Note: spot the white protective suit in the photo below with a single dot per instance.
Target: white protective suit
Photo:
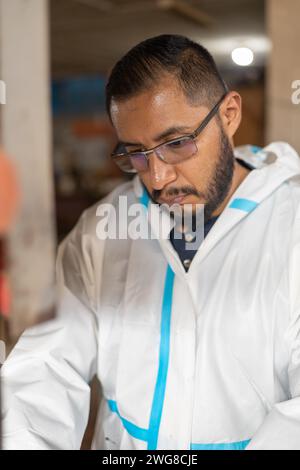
(204, 359)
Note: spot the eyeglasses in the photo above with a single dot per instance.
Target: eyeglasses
(172, 152)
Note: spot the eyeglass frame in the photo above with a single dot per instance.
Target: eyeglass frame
(191, 136)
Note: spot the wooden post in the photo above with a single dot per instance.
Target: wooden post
(25, 134)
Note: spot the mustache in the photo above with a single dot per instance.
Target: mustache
(184, 190)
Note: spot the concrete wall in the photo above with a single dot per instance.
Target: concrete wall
(283, 28)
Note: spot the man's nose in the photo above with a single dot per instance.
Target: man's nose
(161, 173)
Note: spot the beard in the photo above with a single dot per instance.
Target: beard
(219, 184)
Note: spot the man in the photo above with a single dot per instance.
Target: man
(194, 349)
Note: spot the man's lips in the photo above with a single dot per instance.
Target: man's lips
(174, 200)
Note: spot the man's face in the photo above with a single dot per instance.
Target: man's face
(163, 113)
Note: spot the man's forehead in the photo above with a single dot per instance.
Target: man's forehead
(158, 114)
(159, 97)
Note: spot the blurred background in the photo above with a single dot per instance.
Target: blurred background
(55, 138)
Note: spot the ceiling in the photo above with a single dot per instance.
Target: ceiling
(88, 36)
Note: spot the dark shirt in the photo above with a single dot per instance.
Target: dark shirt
(180, 244)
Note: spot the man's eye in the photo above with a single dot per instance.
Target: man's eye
(178, 143)
(133, 150)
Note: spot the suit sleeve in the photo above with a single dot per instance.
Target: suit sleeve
(46, 393)
(281, 428)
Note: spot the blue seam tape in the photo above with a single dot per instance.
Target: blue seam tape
(164, 352)
(246, 205)
(132, 429)
(143, 435)
(241, 445)
(255, 148)
(144, 199)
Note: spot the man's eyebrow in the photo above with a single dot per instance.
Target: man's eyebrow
(128, 144)
(171, 131)
(164, 135)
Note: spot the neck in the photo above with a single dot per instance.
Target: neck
(239, 174)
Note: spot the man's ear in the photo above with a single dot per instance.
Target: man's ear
(231, 113)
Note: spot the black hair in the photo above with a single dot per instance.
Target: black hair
(149, 61)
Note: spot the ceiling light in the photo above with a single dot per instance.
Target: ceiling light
(242, 56)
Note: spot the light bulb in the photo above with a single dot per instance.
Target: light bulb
(242, 56)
